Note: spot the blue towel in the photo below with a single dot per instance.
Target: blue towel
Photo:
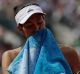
(40, 55)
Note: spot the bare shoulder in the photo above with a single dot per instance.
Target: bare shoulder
(8, 57)
(11, 54)
(67, 49)
(71, 55)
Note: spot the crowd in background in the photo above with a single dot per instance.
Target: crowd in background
(63, 18)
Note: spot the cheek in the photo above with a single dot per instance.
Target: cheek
(29, 31)
(42, 25)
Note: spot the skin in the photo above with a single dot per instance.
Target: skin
(8, 57)
(72, 57)
(33, 24)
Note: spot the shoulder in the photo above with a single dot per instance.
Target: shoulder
(11, 54)
(69, 52)
(68, 49)
(8, 57)
(71, 55)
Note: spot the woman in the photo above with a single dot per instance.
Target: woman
(40, 54)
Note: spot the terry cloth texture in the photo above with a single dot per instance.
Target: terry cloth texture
(40, 55)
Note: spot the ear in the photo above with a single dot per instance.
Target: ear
(20, 27)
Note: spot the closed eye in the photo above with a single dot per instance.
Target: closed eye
(28, 25)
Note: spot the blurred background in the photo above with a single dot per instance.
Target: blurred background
(63, 18)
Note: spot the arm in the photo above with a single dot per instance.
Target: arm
(72, 57)
(5, 62)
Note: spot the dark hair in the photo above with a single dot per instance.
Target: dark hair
(19, 7)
